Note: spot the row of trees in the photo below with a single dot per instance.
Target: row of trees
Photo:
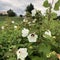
(11, 13)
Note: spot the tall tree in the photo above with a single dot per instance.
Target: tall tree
(29, 8)
(11, 13)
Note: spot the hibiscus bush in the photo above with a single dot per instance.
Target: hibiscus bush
(30, 39)
(35, 37)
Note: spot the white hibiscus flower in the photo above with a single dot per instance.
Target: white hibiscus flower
(34, 21)
(47, 33)
(29, 22)
(22, 53)
(32, 37)
(12, 22)
(24, 20)
(15, 27)
(33, 12)
(54, 37)
(25, 32)
(2, 27)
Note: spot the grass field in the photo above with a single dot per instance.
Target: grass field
(5, 18)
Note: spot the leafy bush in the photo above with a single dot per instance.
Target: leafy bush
(33, 38)
(45, 48)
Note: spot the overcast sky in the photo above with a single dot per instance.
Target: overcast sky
(19, 6)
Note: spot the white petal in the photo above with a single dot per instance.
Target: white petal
(33, 12)
(15, 27)
(2, 27)
(12, 21)
(48, 32)
(32, 39)
(22, 53)
(25, 32)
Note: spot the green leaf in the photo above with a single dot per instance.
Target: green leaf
(35, 58)
(53, 15)
(44, 48)
(38, 58)
(12, 58)
(57, 4)
(46, 4)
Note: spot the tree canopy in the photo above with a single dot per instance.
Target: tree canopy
(29, 8)
(11, 13)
